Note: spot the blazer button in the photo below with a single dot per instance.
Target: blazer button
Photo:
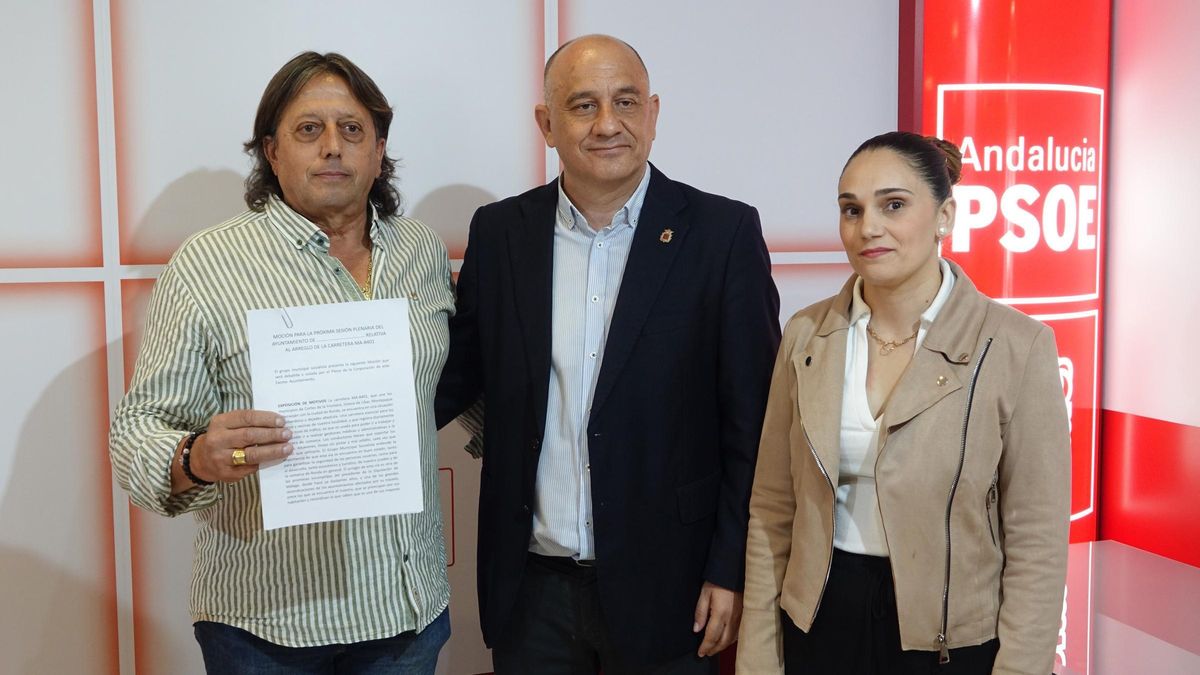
(525, 508)
(537, 443)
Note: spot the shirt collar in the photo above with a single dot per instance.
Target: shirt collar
(300, 231)
(859, 309)
(627, 216)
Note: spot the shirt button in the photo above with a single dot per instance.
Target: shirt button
(600, 245)
(593, 355)
(595, 298)
(405, 557)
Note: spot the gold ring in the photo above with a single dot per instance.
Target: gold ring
(239, 457)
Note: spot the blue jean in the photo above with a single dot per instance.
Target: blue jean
(233, 651)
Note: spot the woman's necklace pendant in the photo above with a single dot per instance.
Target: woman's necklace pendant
(888, 346)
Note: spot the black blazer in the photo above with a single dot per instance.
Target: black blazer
(676, 415)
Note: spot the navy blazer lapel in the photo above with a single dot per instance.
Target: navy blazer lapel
(650, 257)
(531, 256)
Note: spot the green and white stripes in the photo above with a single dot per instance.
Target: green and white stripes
(343, 581)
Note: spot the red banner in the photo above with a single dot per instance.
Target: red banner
(1021, 87)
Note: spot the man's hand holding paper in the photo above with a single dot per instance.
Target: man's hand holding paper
(261, 436)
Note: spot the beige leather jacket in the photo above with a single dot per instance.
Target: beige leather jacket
(973, 480)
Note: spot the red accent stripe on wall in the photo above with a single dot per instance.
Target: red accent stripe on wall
(1149, 482)
(910, 66)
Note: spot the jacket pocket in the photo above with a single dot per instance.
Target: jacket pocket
(698, 499)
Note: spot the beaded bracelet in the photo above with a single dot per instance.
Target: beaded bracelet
(186, 460)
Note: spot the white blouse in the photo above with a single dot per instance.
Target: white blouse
(858, 526)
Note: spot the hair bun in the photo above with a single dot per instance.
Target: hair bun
(953, 157)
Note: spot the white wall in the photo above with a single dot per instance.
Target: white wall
(1154, 168)
(124, 121)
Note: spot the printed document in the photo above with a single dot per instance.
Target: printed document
(341, 375)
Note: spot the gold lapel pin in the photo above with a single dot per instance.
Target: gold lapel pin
(666, 235)
(941, 380)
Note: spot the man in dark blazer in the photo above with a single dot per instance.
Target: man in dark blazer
(620, 329)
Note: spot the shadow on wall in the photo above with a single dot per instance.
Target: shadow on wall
(447, 211)
(196, 200)
(58, 610)
(57, 605)
(35, 597)
(55, 591)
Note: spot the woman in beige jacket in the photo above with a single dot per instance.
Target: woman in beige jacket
(911, 503)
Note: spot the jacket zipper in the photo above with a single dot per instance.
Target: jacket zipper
(833, 523)
(944, 651)
(991, 500)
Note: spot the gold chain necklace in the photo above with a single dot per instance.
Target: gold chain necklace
(888, 346)
(366, 288)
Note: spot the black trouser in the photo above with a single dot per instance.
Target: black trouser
(558, 629)
(857, 631)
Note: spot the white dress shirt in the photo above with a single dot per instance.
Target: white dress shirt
(588, 266)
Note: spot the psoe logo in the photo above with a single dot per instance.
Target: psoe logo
(1062, 218)
(1029, 223)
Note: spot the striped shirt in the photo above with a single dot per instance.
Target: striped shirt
(336, 582)
(588, 267)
